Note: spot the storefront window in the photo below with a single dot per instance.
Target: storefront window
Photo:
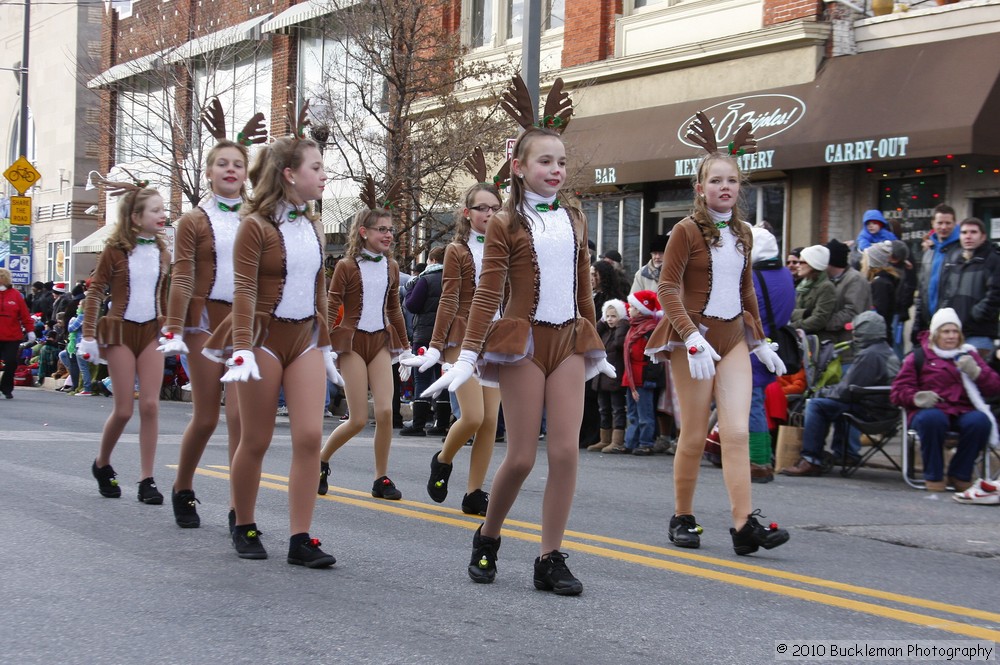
(616, 223)
(58, 260)
(481, 18)
(765, 202)
(909, 202)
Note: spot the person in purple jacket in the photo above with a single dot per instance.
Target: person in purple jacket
(775, 299)
(942, 385)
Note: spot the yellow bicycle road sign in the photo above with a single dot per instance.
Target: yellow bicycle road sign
(22, 175)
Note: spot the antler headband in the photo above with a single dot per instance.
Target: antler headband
(116, 189)
(476, 164)
(214, 120)
(700, 131)
(370, 198)
(516, 101)
(299, 123)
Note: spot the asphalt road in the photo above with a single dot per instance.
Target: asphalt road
(91, 580)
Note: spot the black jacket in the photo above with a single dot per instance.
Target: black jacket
(614, 346)
(972, 289)
(422, 298)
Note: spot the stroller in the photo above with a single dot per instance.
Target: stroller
(821, 360)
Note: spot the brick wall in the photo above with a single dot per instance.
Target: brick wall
(589, 32)
(781, 11)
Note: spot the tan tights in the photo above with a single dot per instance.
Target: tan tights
(525, 390)
(304, 382)
(206, 397)
(731, 388)
(123, 368)
(358, 377)
(479, 408)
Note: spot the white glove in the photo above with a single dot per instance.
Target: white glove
(89, 351)
(701, 357)
(242, 367)
(405, 369)
(172, 344)
(455, 375)
(31, 337)
(424, 362)
(925, 399)
(767, 355)
(607, 369)
(331, 368)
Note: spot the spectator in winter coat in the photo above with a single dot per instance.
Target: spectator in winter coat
(970, 284)
(648, 277)
(776, 301)
(613, 327)
(875, 365)
(853, 296)
(944, 238)
(423, 294)
(640, 389)
(815, 295)
(15, 324)
(874, 229)
(942, 385)
(884, 281)
(900, 260)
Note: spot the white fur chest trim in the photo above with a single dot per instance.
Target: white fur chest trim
(303, 261)
(555, 251)
(223, 225)
(143, 274)
(725, 298)
(374, 285)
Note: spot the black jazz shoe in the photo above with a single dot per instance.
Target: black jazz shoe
(685, 531)
(383, 488)
(246, 542)
(324, 475)
(437, 484)
(551, 574)
(107, 481)
(476, 503)
(755, 535)
(148, 493)
(185, 511)
(483, 566)
(309, 554)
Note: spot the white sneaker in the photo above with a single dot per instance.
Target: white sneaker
(282, 411)
(186, 387)
(982, 492)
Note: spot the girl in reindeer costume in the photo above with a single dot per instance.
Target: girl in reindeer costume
(278, 335)
(134, 266)
(479, 404)
(371, 336)
(201, 296)
(544, 348)
(710, 317)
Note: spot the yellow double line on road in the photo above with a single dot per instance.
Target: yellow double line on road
(675, 562)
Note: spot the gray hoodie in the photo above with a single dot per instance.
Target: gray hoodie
(875, 363)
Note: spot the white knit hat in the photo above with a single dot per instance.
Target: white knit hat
(817, 256)
(618, 306)
(765, 246)
(944, 316)
(879, 254)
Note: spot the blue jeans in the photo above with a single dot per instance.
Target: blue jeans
(84, 373)
(641, 430)
(821, 412)
(973, 434)
(758, 418)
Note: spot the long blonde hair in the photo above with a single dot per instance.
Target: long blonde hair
(268, 179)
(125, 234)
(701, 216)
(367, 218)
(463, 225)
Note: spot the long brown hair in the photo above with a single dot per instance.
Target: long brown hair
(512, 206)
(268, 180)
(463, 225)
(367, 217)
(219, 147)
(125, 234)
(702, 217)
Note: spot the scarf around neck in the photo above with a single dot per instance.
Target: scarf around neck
(971, 389)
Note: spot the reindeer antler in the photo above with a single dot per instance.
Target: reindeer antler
(502, 178)
(300, 123)
(392, 196)
(368, 195)
(516, 101)
(743, 142)
(476, 164)
(116, 189)
(214, 119)
(558, 108)
(700, 131)
(254, 131)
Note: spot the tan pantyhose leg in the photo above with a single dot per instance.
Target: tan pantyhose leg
(479, 407)
(123, 368)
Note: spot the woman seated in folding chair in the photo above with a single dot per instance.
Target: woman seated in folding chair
(942, 385)
(874, 364)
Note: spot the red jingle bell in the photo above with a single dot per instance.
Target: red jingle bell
(168, 335)
(238, 360)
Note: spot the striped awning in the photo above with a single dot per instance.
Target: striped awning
(94, 243)
(126, 69)
(338, 213)
(299, 14)
(234, 34)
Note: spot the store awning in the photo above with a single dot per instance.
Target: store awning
(126, 69)
(94, 243)
(895, 104)
(338, 214)
(234, 34)
(299, 13)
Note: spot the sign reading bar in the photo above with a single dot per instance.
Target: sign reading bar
(22, 175)
(20, 210)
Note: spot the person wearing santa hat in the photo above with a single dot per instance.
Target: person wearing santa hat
(640, 376)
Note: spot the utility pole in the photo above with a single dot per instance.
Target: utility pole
(26, 40)
(531, 46)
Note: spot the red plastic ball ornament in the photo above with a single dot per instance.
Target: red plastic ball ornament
(168, 335)
(238, 360)
(773, 526)
(692, 350)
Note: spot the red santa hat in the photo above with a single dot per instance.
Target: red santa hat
(59, 287)
(645, 303)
